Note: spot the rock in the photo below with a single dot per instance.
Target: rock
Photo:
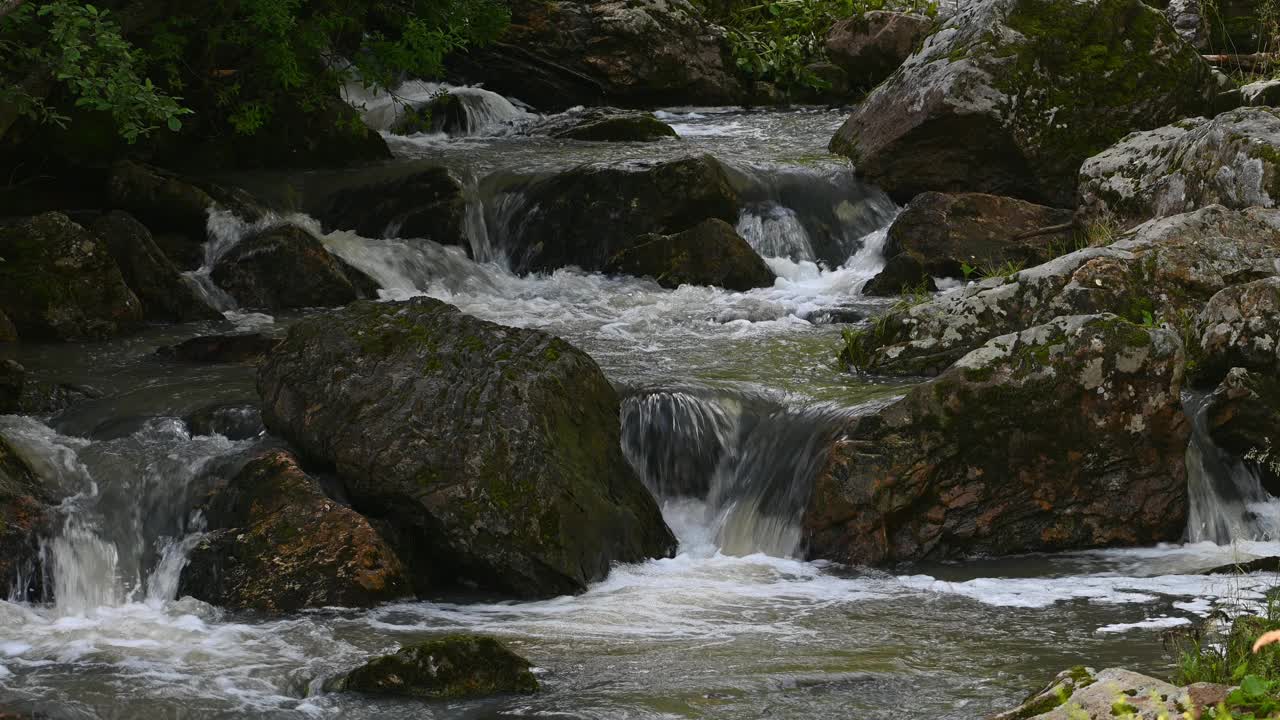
(632, 127)
(58, 282)
(1116, 692)
(940, 233)
(489, 455)
(1064, 436)
(1240, 327)
(278, 544)
(1263, 92)
(234, 422)
(1034, 87)
(1187, 18)
(254, 272)
(645, 53)
(237, 348)
(710, 253)
(1243, 419)
(428, 204)
(585, 215)
(25, 516)
(452, 667)
(1165, 269)
(164, 293)
(1232, 160)
(174, 207)
(21, 395)
(1262, 564)
(1053, 695)
(835, 84)
(446, 114)
(8, 332)
(870, 46)
(902, 274)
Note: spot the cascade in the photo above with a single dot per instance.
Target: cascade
(1227, 501)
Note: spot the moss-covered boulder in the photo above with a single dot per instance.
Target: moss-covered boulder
(940, 234)
(287, 267)
(709, 253)
(25, 516)
(1243, 419)
(627, 127)
(585, 215)
(1052, 696)
(1116, 692)
(234, 348)
(491, 455)
(164, 292)
(277, 543)
(59, 282)
(453, 667)
(1164, 271)
(870, 46)
(1240, 327)
(1010, 96)
(427, 204)
(1066, 435)
(1232, 160)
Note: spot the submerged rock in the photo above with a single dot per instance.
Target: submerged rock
(1067, 435)
(585, 215)
(277, 544)
(58, 282)
(1232, 160)
(871, 45)
(428, 204)
(710, 253)
(237, 348)
(490, 455)
(25, 514)
(286, 267)
(1010, 96)
(1166, 269)
(629, 127)
(939, 234)
(452, 667)
(164, 293)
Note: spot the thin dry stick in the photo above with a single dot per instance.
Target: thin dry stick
(1253, 61)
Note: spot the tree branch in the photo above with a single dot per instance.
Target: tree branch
(1254, 61)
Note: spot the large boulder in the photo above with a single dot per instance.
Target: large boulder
(1242, 417)
(286, 267)
(427, 204)
(1163, 271)
(25, 516)
(641, 53)
(1033, 87)
(626, 127)
(164, 293)
(58, 282)
(1115, 692)
(709, 253)
(489, 454)
(277, 543)
(1232, 160)
(453, 667)
(585, 215)
(870, 46)
(234, 348)
(1240, 327)
(1067, 435)
(939, 234)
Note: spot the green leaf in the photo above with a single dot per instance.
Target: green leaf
(175, 124)
(1253, 686)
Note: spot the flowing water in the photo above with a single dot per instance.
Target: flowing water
(729, 400)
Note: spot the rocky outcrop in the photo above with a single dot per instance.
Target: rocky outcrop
(164, 293)
(286, 267)
(452, 667)
(489, 455)
(871, 45)
(1232, 160)
(1240, 327)
(427, 204)
(645, 53)
(277, 544)
(940, 235)
(1165, 270)
(237, 348)
(1243, 419)
(710, 253)
(628, 127)
(1066, 435)
(1115, 692)
(1034, 87)
(58, 282)
(25, 514)
(586, 215)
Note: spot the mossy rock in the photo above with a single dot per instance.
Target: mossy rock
(254, 272)
(638, 127)
(709, 253)
(454, 667)
(165, 294)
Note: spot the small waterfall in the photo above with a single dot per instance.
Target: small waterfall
(1227, 500)
(774, 231)
(481, 112)
(751, 460)
(223, 231)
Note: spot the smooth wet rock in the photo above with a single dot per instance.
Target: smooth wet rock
(164, 293)
(173, 205)
(427, 204)
(940, 233)
(643, 53)
(1067, 435)
(710, 253)
(1010, 96)
(234, 422)
(452, 667)
(630, 127)
(26, 515)
(1232, 160)
(1243, 419)
(1163, 271)
(284, 267)
(278, 544)
(236, 348)
(489, 455)
(1240, 327)
(585, 215)
(59, 282)
(871, 45)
